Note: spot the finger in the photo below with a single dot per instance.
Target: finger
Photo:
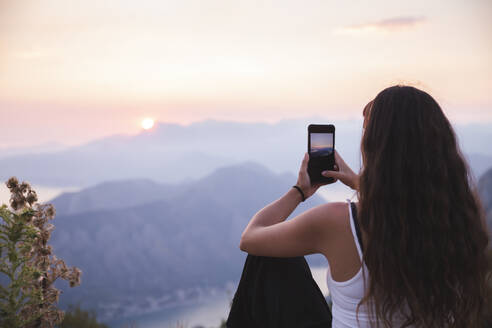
(332, 174)
(338, 158)
(304, 163)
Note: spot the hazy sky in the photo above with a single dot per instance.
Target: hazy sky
(71, 71)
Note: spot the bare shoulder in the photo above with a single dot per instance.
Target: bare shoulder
(333, 210)
(331, 217)
(332, 222)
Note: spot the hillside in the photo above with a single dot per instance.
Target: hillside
(114, 195)
(485, 189)
(164, 250)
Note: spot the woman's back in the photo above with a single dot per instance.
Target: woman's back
(347, 294)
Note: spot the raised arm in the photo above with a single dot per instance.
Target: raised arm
(268, 234)
(307, 233)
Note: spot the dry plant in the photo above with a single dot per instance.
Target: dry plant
(28, 297)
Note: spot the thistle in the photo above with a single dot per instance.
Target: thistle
(28, 267)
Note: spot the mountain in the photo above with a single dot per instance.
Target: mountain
(113, 195)
(172, 152)
(135, 250)
(479, 163)
(485, 190)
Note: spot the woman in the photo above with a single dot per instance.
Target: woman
(419, 260)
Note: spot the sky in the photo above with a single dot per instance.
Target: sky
(321, 140)
(73, 71)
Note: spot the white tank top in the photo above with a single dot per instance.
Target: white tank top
(346, 295)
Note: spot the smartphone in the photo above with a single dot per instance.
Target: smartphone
(321, 150)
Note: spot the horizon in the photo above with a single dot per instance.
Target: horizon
(53, 143)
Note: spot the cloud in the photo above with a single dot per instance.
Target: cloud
(392, 24)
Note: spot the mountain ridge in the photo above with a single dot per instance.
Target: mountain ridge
(172, 152)
(188, 240)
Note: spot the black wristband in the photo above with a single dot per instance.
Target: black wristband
(302, 194)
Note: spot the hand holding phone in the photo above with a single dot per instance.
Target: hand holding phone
(321, 150)
(343, 173)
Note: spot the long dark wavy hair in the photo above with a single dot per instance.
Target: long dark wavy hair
(424, 224)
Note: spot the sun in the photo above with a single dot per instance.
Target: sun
(147, 123)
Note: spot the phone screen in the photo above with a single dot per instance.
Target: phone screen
(321, 144)
(321, 148)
